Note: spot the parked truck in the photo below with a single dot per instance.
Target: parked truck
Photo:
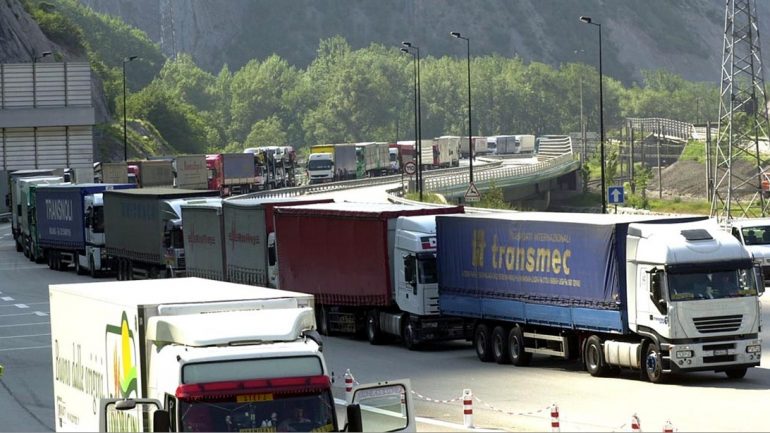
(276, 166)
(372, 159)
(479, 146)
(250, 244)
(190, 172)
(446, 151)
(231, 173)
(644, 293)
(332, 162)
(754, 234)
(143, 230)
(371, 268)
(27, 225)
(70, 225)
(204, 243)
(198, 355)
(110, 172)
(152, 173)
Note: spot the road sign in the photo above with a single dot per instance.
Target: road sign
(472, 193)
(410, 168)
(615, 195)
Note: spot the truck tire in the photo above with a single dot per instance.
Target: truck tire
(593, 356)
(519, 357)
(410, 337)
(482, 341)
(373, 331)
(121, 274)
(500, 351)
(92, 267)
(18, 247)
(78, 269)
(736, 373)
(653, 366)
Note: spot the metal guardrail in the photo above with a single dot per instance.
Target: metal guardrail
(667, 127)
(363, 183)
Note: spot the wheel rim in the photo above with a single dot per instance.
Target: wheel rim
(593, 357)
(481, 343)
(498, 344)
(652, 364)
(370, 327)
(515, 347)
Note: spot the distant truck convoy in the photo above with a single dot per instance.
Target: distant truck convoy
(371, 268)
(26, 228)
(191, 354)
(143, 230)
(332, 162)
(231, 173)
(657, 295)
(70, 226)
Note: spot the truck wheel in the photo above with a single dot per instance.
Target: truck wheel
(373, 331)
(119, 264)
(18, 247)
(410, 337)
(78, 269)
(519, 357)
(482, 341)
(50, 261)
(653, 367)
(594, 357)
(500, 350)
(92, 267)
(736, 373)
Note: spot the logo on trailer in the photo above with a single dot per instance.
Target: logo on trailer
(428, 242)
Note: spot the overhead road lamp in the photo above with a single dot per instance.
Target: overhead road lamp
(35, 58)
(414, 62)
(588, 20)
(415, 50)
(125, 134)
(470, 137)
(43, 54)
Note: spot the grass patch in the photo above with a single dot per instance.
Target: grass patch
(427, 197)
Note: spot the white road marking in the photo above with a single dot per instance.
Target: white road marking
(40, 313)
(30, 335)
(21, 306)
(25, 348)
(24, 324)
(15, 314)
(7, 298)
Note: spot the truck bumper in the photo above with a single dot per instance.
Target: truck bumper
(715, 356)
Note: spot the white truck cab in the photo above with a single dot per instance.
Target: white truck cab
(320, 167)
(754, 234)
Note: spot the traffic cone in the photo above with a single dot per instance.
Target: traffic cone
(635, 425)
(467, 408)
(555, 418)
(348, 387)
(668, 428)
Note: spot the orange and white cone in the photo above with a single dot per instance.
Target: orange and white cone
(468, 408)
(348, 387)
(635, 425)
(668, 428)
(555, 426)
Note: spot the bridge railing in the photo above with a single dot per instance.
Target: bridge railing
(666, 127)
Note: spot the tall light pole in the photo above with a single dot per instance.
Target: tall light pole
(470, 136)
(35, 58)
(125, 134)
(414, 63)
(588, 20)
(418, 145)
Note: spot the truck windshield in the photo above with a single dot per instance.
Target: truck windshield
(426, 264)
(319, 164)
(271, 405)
(758, 235)
(97, 219)
(711, 285)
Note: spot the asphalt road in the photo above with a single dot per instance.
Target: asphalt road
(505, 397)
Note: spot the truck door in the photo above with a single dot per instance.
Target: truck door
(650, 289)
(407, 282)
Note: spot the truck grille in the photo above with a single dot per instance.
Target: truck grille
(708, 325)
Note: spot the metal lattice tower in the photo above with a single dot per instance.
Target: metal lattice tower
(742, 118)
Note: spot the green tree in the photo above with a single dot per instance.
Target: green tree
(266, 132)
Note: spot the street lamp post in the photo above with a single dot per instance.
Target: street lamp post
(418, 145)
(35, 58)
(470, 136)
(414, 63)
(125, 134)
(588, 20)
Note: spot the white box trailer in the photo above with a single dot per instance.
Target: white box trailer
(208, 355)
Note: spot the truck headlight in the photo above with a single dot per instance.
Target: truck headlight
(684, 354)
(754, 348)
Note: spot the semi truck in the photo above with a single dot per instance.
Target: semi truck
(479, 146)
(152, 173)
(653, 294)
(231, 173)
(26, 224)
(446, 151)
(190, 172)
(276, 166)
(192, 354)
(754, 234)
(371, 268)
(70, 225)
(332, 162)
(204, 243)
(143, 230)
(13, 197)
(110, 172)
(372, 159)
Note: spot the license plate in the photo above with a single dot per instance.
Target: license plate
(720, 352)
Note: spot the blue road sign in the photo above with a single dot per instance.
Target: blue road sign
(615, 195)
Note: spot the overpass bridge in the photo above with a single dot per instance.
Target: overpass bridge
(520, 178)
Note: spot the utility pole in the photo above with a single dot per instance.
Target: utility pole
(743, 117)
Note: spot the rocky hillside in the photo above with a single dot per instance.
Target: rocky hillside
(684, 36)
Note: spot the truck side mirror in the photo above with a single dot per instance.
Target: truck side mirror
(656, 292)
(160, 421)
(409, 270)
(354, 418)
